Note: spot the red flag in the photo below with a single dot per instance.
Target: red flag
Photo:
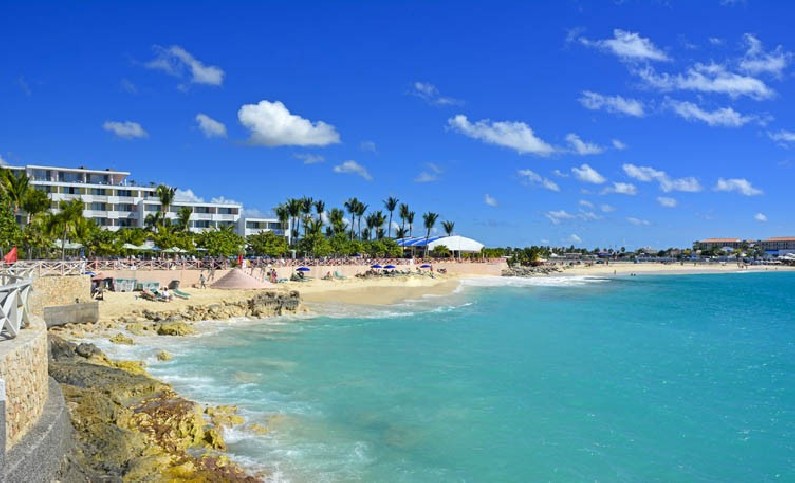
(11, 256)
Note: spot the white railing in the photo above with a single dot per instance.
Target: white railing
(47, 267)
(14, 290)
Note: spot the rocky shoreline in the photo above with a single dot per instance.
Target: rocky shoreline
(132, 427)
(530, 271)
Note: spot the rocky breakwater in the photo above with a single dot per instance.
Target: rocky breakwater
(261, 305)
(130, 427)
(530, 271)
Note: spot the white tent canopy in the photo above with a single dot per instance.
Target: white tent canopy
(457, 243)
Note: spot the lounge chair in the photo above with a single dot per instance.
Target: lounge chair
(339, 276)
(147, 295)
(180, 294)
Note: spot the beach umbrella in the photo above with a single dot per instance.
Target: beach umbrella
(98, 277)
(390, 267)
(130, 246)
(90, 273)
(302, 269)
(425, 265)
(376, 266)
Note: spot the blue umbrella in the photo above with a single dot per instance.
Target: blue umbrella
(425, 265)
(376, 266)
(89, 273)
(389, 267)
(303, 269)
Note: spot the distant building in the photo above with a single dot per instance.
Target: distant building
(113, 202)
(719, 243)
(779, 245)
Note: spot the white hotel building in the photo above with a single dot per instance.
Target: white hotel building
(113, 202)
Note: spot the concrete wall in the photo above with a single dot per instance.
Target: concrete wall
(23, 367)
(85, 313)
(52, 290)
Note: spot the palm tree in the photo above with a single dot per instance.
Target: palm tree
(336, 218)
(404, 213)
(360, 210)
(378, 223)
(400, 233)
(294, 210)
(183, 218)
(35, 202)
(283, 215)
(68, 221)
(16, 187)
(448, 227)
(390, 204)
(351, 206)
(154, 221)
(320, 207)
(166, 195)
(410, 221)
(428, 220)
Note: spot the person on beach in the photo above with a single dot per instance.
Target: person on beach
(202, 280)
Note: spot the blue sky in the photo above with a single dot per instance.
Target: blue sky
(589, 123)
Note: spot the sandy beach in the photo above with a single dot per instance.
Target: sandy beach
(388, 290)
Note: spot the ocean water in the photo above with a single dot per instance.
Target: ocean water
(647, 378)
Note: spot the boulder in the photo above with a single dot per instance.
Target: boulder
(175, 329)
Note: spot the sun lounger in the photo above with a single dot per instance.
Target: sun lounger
(339, 276)
(180, 294)
(147, 295)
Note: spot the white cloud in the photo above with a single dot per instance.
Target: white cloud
(725, 116)
(256, 213)
(761, 217)
(638, 221)
(666, 202)
(619, 145)
(667, 184)
(3, 161)
(621, 189)
(710, 78)
(586, 204)
(581, 147)
(175, 61)
(573, 239)
(588, 215)
(783, 136)
(210, 127)
(556, 217)
(490, 200)
(352, 167)
(128, 87)
(607, 208)
(628, 46)
(612, 104)
(515, 135)
(740, 185)
(533, 177)
(225, 201)
(431, 174)
(430, 94)
(588, 174)
(715, 41)
(757, 61)
(368, 147)
(125, 129)
(271, 124)
(309, 158)
(187, 195)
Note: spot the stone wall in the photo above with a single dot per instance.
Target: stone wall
(39, 454)
(49, 290)
(23, 367)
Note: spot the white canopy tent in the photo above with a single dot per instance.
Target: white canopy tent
(457, 243)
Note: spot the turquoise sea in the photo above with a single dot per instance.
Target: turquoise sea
(646, 378)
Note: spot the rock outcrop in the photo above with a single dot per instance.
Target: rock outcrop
(130, 427)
